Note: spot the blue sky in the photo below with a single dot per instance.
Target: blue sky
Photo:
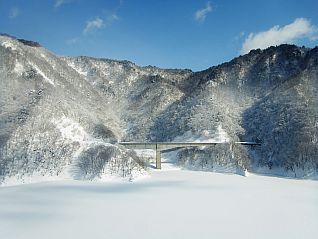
(193, 34)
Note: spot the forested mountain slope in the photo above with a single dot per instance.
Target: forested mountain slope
(65, 115)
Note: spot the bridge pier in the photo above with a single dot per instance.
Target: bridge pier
(158, 157)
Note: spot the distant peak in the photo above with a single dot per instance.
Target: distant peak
(23, 41)
(29, 43)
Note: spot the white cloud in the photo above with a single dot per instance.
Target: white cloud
(201, 14)
(97, 23)
(107, 20)
(111, 18)
(239, 36)
(301, 28)
(14, 12)
(59, 3)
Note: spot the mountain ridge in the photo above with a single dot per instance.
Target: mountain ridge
(85, 105)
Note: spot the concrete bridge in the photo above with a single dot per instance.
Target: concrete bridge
(170, 146)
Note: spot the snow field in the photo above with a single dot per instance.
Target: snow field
(169, 204)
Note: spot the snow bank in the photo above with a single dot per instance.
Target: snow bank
(96, 159)
(170, 204)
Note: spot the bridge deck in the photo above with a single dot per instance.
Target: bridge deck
(184, 144)
(164, 146)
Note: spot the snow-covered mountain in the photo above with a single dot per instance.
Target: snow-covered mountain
(53, 121)
(63, 116)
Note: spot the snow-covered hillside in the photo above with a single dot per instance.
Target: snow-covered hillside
(169, 204)
(53, 123)
(62, 117)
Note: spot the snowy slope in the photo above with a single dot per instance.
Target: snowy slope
(61, 117)
(169, 204)
(53, 123)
